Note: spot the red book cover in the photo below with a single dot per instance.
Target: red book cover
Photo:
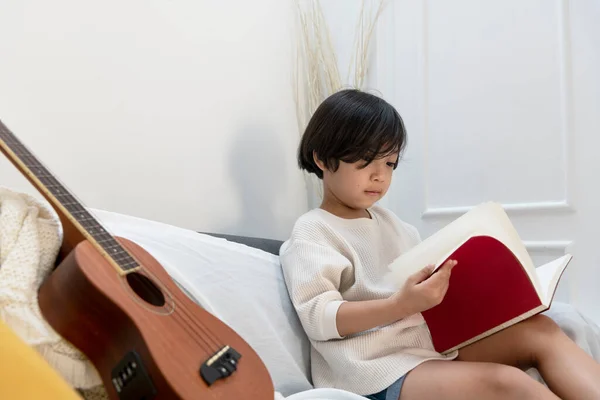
(488, 287)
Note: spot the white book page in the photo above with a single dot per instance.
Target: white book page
(549, 274)
(488, 219)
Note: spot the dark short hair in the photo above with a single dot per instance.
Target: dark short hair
(350, 126)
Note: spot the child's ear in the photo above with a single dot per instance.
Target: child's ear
(319, 163)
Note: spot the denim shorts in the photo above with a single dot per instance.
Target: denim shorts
(391, 393)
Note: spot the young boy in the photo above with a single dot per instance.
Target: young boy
(366, 336)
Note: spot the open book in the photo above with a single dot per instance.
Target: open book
(493, 286)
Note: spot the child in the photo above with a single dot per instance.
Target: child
(369, 338)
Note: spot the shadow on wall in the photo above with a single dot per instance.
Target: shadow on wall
(258, 167)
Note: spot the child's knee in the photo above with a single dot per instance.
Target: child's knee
(543, 324)
(505, 381)
(540, 328)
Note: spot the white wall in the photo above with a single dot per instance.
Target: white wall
(177, 111)
(501, 103)
(183, 112)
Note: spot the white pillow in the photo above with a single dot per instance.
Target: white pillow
(241, 285)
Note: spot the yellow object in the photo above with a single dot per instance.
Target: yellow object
(24, 374)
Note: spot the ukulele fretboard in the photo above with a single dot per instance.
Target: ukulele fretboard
(64, 197)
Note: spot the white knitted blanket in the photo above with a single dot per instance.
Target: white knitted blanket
(30, 238)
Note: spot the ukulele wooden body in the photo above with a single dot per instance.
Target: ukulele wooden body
(148, 351)
(114, 302)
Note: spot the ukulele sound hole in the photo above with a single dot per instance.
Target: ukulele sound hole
(146, 289)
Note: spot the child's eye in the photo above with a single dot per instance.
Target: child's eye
(393, 165)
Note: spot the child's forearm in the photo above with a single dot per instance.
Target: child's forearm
(357, 316)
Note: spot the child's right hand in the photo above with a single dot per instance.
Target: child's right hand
(422, 291)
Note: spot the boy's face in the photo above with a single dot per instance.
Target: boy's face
(358, 188)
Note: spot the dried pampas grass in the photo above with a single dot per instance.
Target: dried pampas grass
(317, 74)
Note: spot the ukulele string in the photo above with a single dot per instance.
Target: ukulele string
(195, 328)
(11, 142)
(150, 288)
(179, 316)
(187, 313)
(202, 331)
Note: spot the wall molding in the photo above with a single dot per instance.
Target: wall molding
(548, 245)
(513, 208)
(565, 88)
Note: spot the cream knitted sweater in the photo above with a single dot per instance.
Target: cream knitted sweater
(329, 260)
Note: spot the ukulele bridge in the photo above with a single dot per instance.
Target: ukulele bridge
(220, 365)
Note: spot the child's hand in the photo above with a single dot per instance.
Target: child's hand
(422, 290)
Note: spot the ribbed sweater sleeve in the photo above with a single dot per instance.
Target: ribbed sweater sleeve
(313, 276)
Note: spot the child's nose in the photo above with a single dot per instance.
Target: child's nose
(379, 173)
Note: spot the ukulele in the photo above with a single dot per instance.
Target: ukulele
(115, 303)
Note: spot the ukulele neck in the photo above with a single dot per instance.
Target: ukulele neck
(78, 223)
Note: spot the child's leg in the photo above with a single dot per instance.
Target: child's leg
(454, 380)
(538, 342)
